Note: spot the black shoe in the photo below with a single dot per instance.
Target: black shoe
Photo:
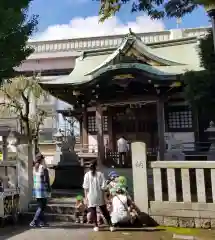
(43, 225)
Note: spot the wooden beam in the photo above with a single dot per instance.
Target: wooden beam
(100, 135)
(110, 128)
(161, 122)
(84, 128)
(142, 99)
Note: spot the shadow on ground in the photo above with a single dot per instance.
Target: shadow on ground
(11, 230)
(103, 228)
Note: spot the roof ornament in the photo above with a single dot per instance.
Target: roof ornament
(132, 34)
(82, 56)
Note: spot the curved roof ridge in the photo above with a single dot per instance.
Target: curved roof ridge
(130, 39)
(111, 56)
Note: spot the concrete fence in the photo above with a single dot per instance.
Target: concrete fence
(174, 193)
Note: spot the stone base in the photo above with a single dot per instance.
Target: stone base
(211, 156)
(68, 177)
(184, 222)
(174, 156)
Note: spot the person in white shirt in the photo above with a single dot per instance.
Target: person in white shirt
(123, 148)
(120, 207)
(94, 188)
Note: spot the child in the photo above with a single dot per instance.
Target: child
(100, 218)
(80, 209)
(111, 182)
(120, 206)
(124, 210)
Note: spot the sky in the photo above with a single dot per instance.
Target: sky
(79, 18)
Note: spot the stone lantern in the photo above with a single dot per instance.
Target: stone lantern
(211, 138)
(58, 138)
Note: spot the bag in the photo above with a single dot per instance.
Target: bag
(125, 207)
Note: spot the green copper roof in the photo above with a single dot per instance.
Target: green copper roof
(149, 70)
(93, 64)
(133, 41)
(79, 74)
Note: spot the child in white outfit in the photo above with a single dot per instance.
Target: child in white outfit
(120, 207)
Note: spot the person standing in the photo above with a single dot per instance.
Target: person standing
(123, 148)
(94, 188)
(41, 190)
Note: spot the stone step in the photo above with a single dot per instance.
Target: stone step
(66, 193)
(62, 200)
(55, 208)
(50, 217)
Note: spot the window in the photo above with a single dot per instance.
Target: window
(92, 124)
(105, 123)
(179, 119)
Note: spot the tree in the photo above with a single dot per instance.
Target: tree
(156, 9)
(15, 29)
(200, 85)
(21, 97)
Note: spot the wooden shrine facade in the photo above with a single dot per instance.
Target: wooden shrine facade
(136, 122)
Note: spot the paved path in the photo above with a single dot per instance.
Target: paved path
(68, 232)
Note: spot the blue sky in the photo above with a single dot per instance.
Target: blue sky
(55, 12)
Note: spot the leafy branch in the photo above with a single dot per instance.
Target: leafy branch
(156, 9)
(21, 96)
(200, 85)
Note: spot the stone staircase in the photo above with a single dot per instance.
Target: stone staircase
(61, 206)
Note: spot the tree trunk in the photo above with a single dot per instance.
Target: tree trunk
(36, 146)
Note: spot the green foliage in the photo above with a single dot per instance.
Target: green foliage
(15, 29)
(206, 52)
(21, 96)
(156, 9)
(200, 86)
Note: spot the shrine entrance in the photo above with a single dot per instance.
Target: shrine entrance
(136, 122)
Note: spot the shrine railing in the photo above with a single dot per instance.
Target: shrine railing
(198, 151)
(182, 193)
(86, 148)
(174, 193)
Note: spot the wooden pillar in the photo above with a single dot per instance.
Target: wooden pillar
(110, 129)
(161, 124)
(100, 135)
(4, 148)
(84, 129)
(195, 122)
(5, 153)
(136, 125)
(81, 131)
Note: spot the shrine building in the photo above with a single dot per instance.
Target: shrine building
(135, 91)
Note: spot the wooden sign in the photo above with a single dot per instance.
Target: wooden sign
(123, 76)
